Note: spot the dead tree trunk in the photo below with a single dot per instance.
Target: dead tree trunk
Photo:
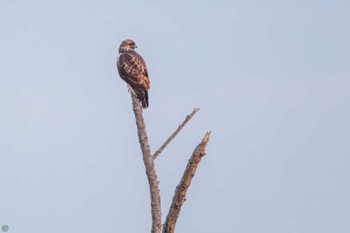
(149, 165)
(148, 159)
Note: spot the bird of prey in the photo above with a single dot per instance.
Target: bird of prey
(132, 69)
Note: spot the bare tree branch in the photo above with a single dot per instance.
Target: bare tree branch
(188, 117)
(181, 189)
(149, 165)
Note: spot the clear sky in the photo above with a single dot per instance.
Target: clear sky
(272, 80)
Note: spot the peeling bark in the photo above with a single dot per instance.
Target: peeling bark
(181, 190)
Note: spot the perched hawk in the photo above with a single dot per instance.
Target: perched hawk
(132, 69)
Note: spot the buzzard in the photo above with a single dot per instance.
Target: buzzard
(132, 69)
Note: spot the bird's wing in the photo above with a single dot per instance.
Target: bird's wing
(132, 68)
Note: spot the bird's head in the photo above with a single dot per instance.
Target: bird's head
(127, 45)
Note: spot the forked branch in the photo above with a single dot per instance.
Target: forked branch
(181, 189)
(188, 117)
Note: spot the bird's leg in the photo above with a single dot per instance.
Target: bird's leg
(130, 89)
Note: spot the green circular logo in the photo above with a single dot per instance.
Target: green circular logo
(5, 228)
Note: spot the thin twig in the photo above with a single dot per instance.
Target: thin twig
(188, 117)
(181, 189)
(149, 165)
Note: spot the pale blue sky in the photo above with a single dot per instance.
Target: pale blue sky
(272, 80)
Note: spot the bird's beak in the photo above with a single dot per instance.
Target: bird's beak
(135, 46)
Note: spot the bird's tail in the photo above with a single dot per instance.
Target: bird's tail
(144, 99)
(142, 95)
